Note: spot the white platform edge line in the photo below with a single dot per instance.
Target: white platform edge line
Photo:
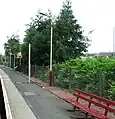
(6, 101)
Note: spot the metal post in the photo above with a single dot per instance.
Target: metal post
(10, 60)
(50, 73)
(14, 61)
(29, 69)
(1, 58)
(20, 59)
(5, 60)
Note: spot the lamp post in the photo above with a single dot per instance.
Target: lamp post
(20, 62)
(10, 60)
(14, 61)
(29, 62)
(50, 72)
(5, 60)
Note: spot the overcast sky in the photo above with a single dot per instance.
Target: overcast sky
(91, 14)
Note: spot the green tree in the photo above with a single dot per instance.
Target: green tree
(69, 39)
(12, 45)
(38, 34)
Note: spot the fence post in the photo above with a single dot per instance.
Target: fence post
(100, 80)
(35, 71)
(108, 76)
(70, 76)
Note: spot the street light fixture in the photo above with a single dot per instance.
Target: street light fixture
(50, 72)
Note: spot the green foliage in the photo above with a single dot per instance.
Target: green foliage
(69, 36)
(12, 45)
(96, 75)
(38, 34)
(68, 39)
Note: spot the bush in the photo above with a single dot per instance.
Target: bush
(96, 75)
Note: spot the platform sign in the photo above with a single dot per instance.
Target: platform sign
(19, 55)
